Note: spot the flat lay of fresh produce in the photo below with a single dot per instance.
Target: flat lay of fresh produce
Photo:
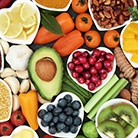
(69, 69)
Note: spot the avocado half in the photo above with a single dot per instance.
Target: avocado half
(47, 89)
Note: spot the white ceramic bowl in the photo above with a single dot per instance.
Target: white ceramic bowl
(53, 9)
(109, 75)
(110, 103)
(128, 55)
(105, 29)
(31, 37)
(2, 58)
(20, 128)
(62, 134)
(10, 101)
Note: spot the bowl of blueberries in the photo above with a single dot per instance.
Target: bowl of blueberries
(63, 117)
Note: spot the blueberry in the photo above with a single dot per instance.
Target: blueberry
(68, 98)
(60, 126)
(55, 119)
(73, 129)
(50, 107)
(76, 105)
(48, 117)
(62, 117)
(44, 123)
(68, 110)
(62, 102)
(75, 113)
(51, 123)
(69, 120)
(57, 111)
(41, 113)
(52, 130)
(66, 129)
(77, 121)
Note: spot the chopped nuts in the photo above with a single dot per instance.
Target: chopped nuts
(116, 10)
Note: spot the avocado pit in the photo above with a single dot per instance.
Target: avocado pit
(46, 69)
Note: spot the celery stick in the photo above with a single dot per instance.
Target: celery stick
(124, 83)
(99, 94)
(112, 93)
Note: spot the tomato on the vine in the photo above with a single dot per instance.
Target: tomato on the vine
(6, 128)
(79, 6)
(111, 38)
(83, 22)
(17, 118)
(92, 38)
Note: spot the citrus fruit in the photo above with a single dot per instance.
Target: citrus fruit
(26, 12)
(30, 30)
(22, 35)
(14, 15)
(29, 22)
(4, 22)
(13, 31)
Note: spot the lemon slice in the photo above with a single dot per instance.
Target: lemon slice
(22, 36)
(4, 23)
(13, 31)
(14, 15)
(30, 30)
(26, 12)
(29, 22)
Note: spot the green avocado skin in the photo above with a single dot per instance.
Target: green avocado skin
(47, 90)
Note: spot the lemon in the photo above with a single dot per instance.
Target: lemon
(29, 22)
(22, 35)
(26, 12)
(30, 30)
(14, 30)
(14, 15)
(4, 22)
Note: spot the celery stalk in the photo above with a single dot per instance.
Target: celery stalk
(100, 93)
(122, 81)
(112, 93)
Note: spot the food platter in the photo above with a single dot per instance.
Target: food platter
(65, 59)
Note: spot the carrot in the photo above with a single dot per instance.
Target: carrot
(44, 36)
(68, 43)
(29, 106)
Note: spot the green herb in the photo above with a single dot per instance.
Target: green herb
(50, 23)
(134, 12)
(54, 13)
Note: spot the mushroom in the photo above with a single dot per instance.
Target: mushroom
(18, 57)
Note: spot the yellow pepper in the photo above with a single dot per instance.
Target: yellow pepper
(29, 106)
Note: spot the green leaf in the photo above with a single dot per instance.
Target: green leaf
(54, 13)
(50, 23)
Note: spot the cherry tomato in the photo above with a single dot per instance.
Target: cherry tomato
(79, 6)
(92, 38)
(17, 118)
(48, 136)
(6, 128)
(111, 38)
(83, 22)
